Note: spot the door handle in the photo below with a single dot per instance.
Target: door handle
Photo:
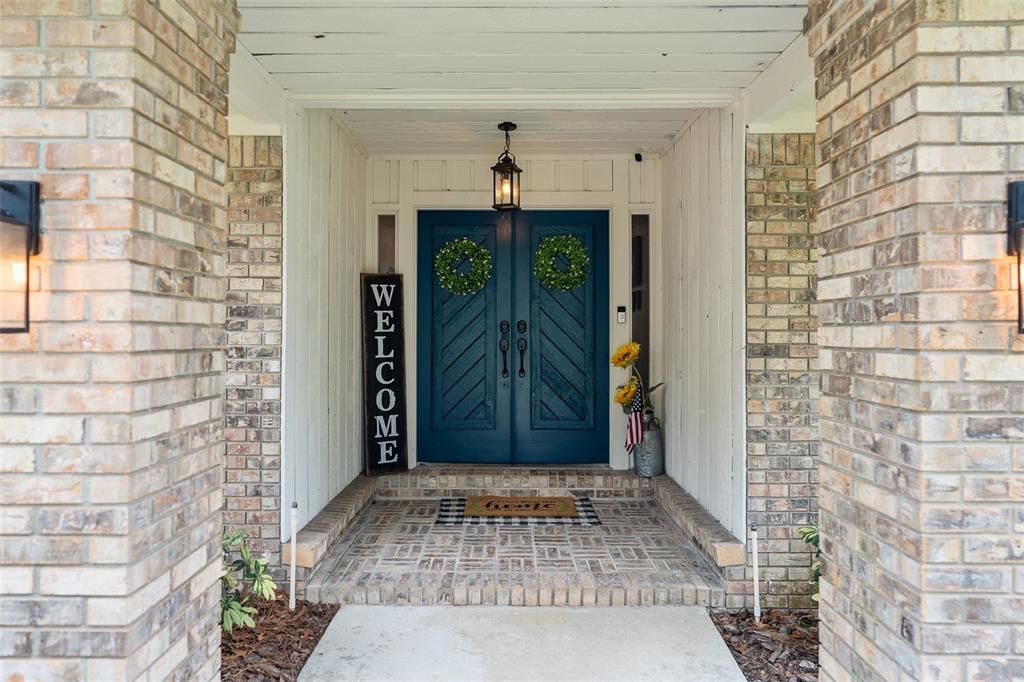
(521, 345)
(503, 346)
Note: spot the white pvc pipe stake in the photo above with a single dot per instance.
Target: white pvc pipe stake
(757, 577)
(291, 575)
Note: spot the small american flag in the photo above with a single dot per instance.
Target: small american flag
(634, 420)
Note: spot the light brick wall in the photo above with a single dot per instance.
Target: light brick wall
(920, 126)
(111, 408)
(782, 367)
(252, 408)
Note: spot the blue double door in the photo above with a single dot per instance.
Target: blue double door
(515, 373)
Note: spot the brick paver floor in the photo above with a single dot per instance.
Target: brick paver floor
(394, 554)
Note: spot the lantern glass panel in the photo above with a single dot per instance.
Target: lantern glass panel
(499, 178)
(506, 185)
(14, 277)
(504, 196)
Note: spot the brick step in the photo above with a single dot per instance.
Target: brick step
(433, 481)
(541, 589)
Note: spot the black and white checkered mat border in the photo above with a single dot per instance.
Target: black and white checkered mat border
(452, 512)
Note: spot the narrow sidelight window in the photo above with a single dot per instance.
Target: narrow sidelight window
(385, 243)
(640, 280)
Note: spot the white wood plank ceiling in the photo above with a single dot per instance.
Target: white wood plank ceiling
(452, 69)
(420, 131)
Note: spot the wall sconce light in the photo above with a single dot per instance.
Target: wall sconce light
(506, 175)
(19, 241)
(1014, 228)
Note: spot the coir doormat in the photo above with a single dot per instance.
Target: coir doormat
(517, 511)
(494, 505)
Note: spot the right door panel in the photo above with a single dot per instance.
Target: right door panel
(560, 398)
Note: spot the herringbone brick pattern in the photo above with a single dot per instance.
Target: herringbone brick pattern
(395, 554)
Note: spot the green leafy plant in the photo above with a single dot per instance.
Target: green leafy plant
(241, 579)
(809, 534)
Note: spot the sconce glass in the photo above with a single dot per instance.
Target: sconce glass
(506, 175)
(1015, 240)
(19, 241)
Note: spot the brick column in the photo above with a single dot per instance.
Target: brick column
(252, 477)
(920, 126)
(111, 408)
(782, 366)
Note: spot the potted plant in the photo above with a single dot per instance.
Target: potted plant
(643, 430)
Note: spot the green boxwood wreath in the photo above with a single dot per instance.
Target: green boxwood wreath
(455, 252)
(545, 262)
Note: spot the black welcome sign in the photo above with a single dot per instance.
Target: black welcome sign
(384, 421)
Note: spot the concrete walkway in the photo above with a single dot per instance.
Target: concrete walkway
(511, 643)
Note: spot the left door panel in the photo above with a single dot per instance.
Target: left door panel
(459, 364)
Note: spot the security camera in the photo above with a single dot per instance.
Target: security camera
(638, 157)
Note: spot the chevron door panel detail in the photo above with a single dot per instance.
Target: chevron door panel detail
(561, 409)
(463, 368)
(562, 390)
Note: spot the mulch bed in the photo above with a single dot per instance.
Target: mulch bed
(279, 645)
(783, 647)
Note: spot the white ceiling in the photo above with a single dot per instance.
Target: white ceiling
(535, 53)
(418, 131)
(595, 76)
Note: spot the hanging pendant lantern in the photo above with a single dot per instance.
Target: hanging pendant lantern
(506, 175)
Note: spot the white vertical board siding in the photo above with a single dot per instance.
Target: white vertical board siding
(702, 325)
(325, 200)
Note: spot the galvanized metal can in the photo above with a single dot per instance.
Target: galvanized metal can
(649, 454)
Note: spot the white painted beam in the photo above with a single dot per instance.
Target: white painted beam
(504, 21)
(651, 62)
(406, 41)
(794, 113)
(513, 82)
(300, 4)
(524, 100)
(534, 118)
(256, 102)
(786, 87)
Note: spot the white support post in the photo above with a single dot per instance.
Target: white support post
(291, 573)
(757, 577)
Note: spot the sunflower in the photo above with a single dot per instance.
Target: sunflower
(624, 394)
(626, 354)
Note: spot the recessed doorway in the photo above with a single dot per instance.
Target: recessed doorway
(515, 372)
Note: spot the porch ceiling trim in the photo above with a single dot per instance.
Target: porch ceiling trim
(525, 3)
(508, 19)
(500, 100)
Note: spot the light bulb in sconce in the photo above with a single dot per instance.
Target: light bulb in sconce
(1015, 240)
(506, 189)
(19, 241)
(19, 273)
